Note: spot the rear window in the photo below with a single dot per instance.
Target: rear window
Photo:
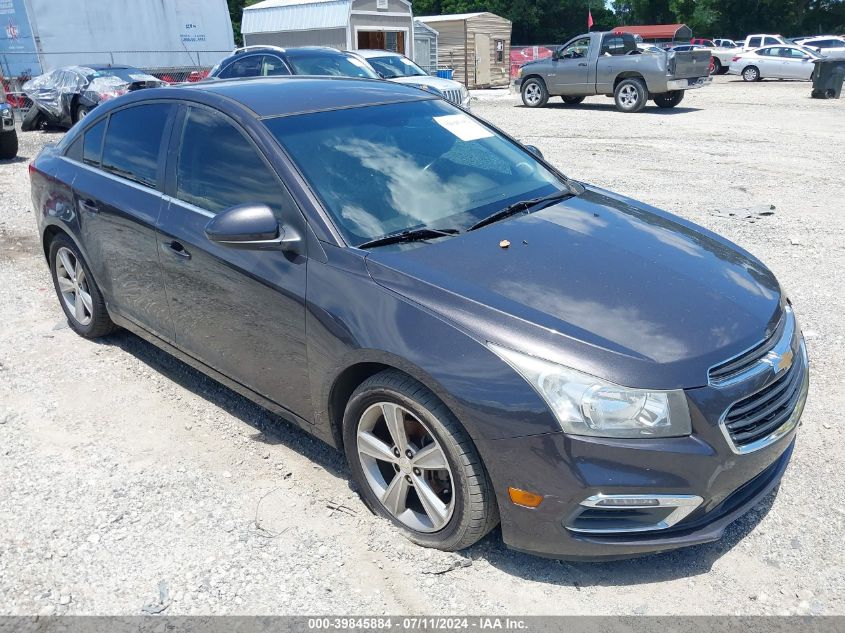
(339, 65)
(133, 142)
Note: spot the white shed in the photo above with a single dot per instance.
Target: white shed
(341, 24)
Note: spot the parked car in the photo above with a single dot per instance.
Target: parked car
(272, 61)
(398, 68)
(775, 62)
(648, 48)
(825, 44)
(703, 42)
(8, 132)
(607, 63)
(725, 43)
(753, 42)
(64, 96)
(413, 286)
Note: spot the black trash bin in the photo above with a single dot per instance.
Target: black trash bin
(828, 77)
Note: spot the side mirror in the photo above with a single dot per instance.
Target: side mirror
(250, 226)
(536, 151)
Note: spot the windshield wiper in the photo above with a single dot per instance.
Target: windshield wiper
(523, 205)
(413, 235)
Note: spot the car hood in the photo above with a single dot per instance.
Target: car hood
(426, 80)
(599, 283)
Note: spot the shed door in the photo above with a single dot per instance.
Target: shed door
(422, 52)
(482, 59)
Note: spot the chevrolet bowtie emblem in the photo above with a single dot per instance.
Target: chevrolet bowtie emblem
(780, 362)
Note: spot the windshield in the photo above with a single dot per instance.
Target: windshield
(391, 66)
(384, 169)
(331, 64)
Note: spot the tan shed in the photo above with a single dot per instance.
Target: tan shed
(476, 46)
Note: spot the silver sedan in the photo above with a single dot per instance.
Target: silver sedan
(775, 62)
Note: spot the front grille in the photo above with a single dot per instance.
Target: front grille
(452, 95)
(730, 369)
(755, 417)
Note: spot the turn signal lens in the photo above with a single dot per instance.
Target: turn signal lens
(525, 498)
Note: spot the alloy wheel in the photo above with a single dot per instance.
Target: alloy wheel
(73, 286)
(532, 94)
(405, 467)
(629, 96)
(750, 74)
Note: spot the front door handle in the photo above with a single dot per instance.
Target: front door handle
(582, 64)
(89, 206)
(177, 249)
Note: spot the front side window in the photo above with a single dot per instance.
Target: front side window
(392, 66)
(330, 64)
(576, 49)
(383, 169)
(218, 167)
(133, 141)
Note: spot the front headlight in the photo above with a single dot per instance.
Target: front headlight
(586, 405)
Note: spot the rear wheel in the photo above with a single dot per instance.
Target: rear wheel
(572, 100)
(78, 293)
(80, 113)
(715, 66)
(669, 99)
(631, 95)
(415, 465)
(751, 73)
(8, 145)
(534, 93)
(32, 120)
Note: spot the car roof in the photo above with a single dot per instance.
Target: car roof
(296, 94)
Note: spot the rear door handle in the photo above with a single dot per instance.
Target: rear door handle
(582, 64)
(88, 206)
(177, 249)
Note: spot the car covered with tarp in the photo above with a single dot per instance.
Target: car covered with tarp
(63, 96)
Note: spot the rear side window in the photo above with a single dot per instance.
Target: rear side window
(219, 168)
(92, 147)
(770, 40)
(249, 66)
(766, 52)
(613, 45)
(133, 142)
(272, 66)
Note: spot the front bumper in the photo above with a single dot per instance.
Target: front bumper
(7, 118)
(688, 84)
(567, 470)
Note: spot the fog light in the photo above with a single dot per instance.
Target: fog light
(627, 502)
(525, 498)
(614, 514)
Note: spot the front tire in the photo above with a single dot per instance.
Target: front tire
(8, 145)
(751, 73)
(572, 100)
(669, 99)
(79, 295)
(415, 465)
(630, 95)
(716, 67)
(534, 93)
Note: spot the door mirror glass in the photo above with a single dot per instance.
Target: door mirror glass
(247, 226)
(535, 150)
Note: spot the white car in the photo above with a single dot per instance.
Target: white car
(648, 48)
(753, 42)
(825, 44)
(398, 68)
(775, 62)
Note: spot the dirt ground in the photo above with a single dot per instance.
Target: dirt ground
(130, 483)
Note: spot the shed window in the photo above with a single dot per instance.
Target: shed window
(500, 51)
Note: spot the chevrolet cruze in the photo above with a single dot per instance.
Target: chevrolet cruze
(488, 340)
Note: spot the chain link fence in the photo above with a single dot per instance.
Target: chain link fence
(194, 66)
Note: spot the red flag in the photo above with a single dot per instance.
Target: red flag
(589, 19)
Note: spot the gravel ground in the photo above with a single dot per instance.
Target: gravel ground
(130, 483)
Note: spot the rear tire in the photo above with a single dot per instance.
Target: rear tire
(78, 293)
(669, 99)
(630, 95)
(460, 506)
(8, 145)
(534, 93)
(80, 113)
(751, 73)
(572, 100)
(32, 120)
(718, 69)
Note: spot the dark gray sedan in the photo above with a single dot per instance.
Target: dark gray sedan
(486, 339)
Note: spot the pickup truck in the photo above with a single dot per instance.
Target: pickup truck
(8, 133)
(611, 64)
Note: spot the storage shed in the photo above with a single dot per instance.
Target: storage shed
(341, 24)
(659, 32)
(475, 45)
(425, 47)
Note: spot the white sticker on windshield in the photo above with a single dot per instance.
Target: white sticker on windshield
(464, 127)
